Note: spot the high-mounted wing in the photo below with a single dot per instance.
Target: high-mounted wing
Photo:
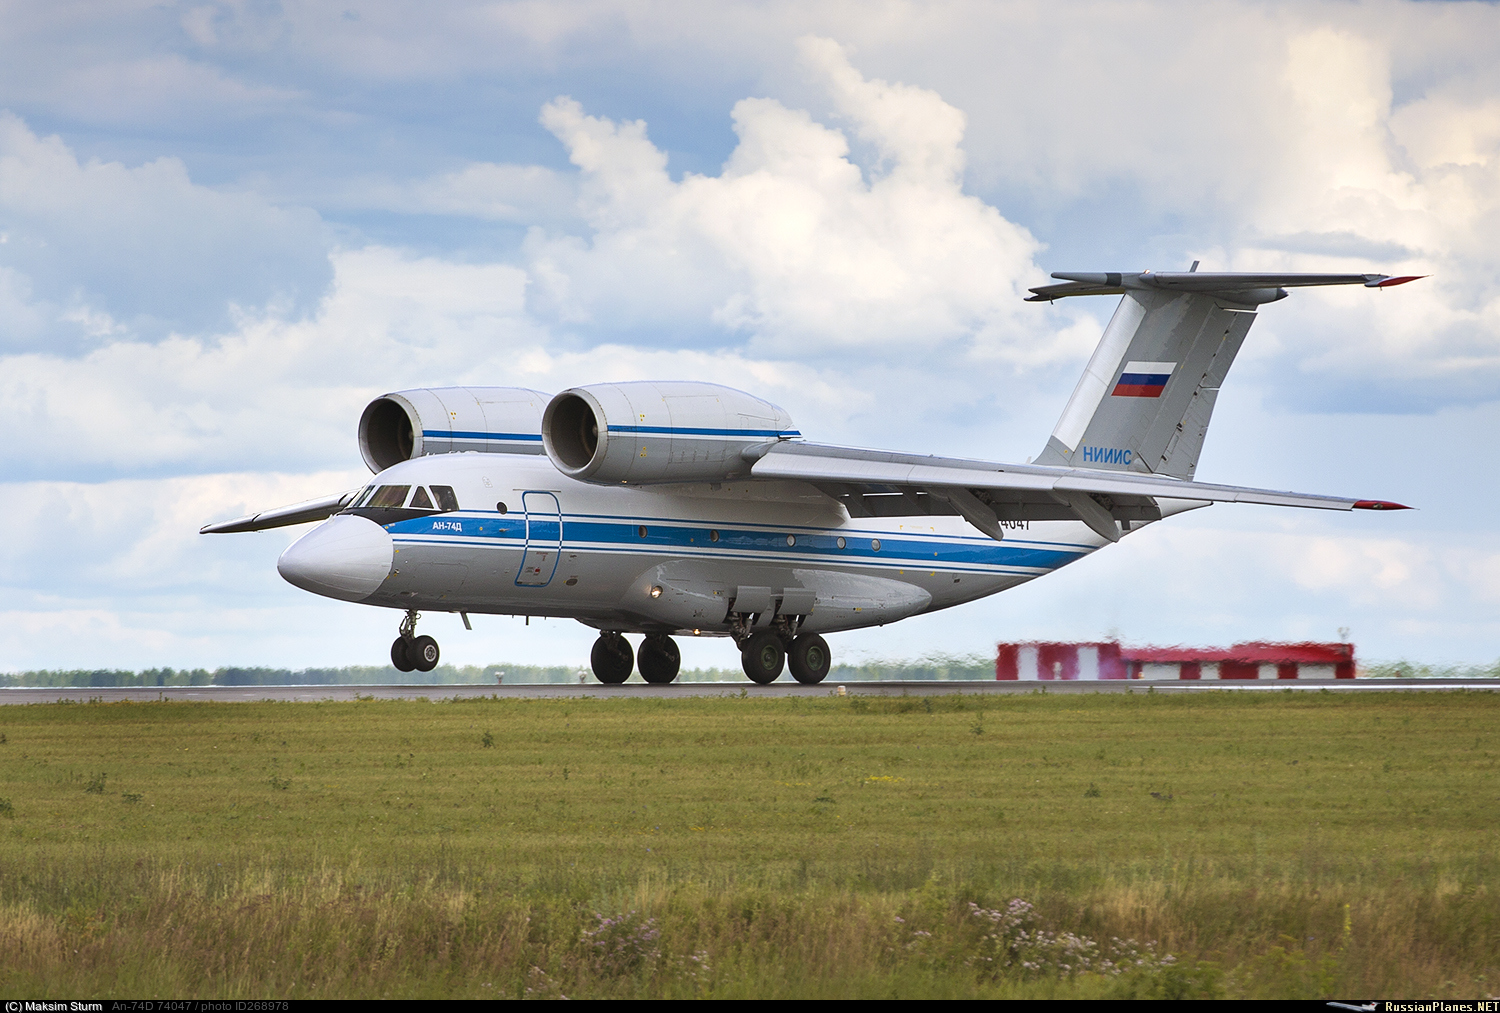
(873, 483)
(297, 513)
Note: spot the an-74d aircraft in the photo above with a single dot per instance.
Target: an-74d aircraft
(671, 508)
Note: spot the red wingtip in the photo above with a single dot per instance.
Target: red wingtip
(1378, 504)
(1400, 281)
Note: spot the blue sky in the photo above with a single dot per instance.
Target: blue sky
(225, 227)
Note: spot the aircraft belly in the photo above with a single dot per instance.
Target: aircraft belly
(698, 595)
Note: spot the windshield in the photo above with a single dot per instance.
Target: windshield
(390, 496)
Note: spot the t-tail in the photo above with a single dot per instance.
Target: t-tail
(1146, 398)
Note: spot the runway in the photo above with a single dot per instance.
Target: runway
(634, 690)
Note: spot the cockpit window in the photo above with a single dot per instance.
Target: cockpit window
(390, 496)
(420, 500)
(445, 498)
(364, 494)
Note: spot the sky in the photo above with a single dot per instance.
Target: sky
(226, 227)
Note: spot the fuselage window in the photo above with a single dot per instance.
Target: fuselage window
(390, 496)
(420, 500)
(445, 498)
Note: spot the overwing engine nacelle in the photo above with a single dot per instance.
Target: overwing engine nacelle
(445, 420)
(659, 431)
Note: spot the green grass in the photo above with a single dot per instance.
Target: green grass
(1276, 844)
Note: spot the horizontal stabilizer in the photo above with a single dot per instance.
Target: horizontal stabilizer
(1226, 282)
(297, 513)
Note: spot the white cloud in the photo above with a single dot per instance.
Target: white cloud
(91, 541)
(273, 393)
(88, 245)
(1365, 173)
(791, 246)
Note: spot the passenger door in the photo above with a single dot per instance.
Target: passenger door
(543, 539)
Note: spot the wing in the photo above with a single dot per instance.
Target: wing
(874, 483)
(297, 513)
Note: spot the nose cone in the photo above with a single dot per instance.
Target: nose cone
(344, 557)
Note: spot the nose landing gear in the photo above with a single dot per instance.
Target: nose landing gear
(410, 651)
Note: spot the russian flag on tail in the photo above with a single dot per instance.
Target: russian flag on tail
(1144, 379)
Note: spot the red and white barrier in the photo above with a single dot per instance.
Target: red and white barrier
(1109, 660)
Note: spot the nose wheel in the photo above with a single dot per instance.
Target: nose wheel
(410, 651)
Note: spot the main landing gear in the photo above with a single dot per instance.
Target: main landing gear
(411, 651)
(611, 659)
(766, 649)
(763, 653)
(658, 658)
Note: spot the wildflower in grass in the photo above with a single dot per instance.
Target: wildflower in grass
(1013, 943)
(694, 967)
(622, 945)
(541, 985)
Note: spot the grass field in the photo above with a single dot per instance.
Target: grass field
(1234, 844)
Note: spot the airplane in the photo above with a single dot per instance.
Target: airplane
(677, 508)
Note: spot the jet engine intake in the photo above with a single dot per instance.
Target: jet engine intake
(446, 420)
(673, 431)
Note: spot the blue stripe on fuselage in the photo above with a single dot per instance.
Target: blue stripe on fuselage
(616, 534)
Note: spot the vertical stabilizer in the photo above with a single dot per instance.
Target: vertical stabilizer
(1145, 400)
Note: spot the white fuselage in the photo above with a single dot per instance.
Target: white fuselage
(528, 540)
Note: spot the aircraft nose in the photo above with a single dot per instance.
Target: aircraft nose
(345, 557)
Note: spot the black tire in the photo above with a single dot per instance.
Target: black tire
(611, 659)
(400, 657)
(424, 653)
(762, 658)
(809, 659)
(658, 659)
